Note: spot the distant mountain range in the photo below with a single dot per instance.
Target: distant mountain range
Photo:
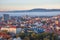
(34, 10)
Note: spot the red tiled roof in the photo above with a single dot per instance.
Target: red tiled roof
(4, 35)
(59, 24)
(11, 26)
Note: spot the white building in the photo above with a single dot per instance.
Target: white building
(13, 30)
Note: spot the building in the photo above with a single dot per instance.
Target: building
(13, 30)
(6, 17)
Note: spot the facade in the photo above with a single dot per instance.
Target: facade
(6, 17)
(13, 30)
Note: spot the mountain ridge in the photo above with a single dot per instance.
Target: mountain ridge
(34, 10)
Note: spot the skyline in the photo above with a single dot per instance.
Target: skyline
(28, 4)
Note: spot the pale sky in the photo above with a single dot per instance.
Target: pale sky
(28, 4)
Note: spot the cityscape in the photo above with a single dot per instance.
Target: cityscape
(29, 19)
(11, 26)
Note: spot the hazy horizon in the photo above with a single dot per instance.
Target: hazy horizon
(32, 13)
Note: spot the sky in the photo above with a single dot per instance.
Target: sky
(28, 4)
